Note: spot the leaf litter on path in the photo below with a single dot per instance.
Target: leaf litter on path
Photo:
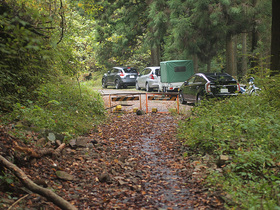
(131, 162)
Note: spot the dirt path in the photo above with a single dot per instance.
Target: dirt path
(134, 165)
(131, 162)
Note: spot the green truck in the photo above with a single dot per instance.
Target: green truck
(173, 73)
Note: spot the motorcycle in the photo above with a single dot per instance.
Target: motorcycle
(252, 90)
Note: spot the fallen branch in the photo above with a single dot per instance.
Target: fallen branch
(15, 203)
(37, 154)
(51, 196)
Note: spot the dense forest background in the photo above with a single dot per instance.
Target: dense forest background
(45, 40)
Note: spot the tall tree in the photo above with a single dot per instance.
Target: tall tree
(275, 41)
(157, 27)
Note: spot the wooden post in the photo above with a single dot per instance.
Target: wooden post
(146, 102)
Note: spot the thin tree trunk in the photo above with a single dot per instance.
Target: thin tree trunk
(244, 55)
(209, 66)
(255, 39)
(275, 41)
(230, 56)
(155, 56)
(234, 45)
(195, 63)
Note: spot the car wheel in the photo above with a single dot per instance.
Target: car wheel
(104, 85)
(137, 86)
(148, 89)
(117, 84)
(181, 99)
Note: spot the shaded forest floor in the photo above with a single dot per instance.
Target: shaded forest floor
(131, 162)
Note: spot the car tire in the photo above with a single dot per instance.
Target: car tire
(104, 85)
(181, 99)
(117, 84)
(148, 89)
(137, 86)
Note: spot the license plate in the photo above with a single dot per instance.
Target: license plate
(224, 90)
(131, 76)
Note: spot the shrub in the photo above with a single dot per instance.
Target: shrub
(62, 107)
(246, 128)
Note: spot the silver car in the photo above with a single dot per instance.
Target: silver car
(148, 79)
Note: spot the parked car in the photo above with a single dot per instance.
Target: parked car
(120, 77)
(148, 79)
(208, 85)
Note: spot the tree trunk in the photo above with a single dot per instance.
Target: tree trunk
(244, 55)
(195, 63)
(155, 56)
(230, 67)
(275, 40)
(255, 39)
(235, 56)
(209, 66)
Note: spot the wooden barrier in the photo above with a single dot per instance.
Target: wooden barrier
(162, 97)
(120, 98)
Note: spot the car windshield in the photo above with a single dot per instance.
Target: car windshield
(130, 70)
(220, 77)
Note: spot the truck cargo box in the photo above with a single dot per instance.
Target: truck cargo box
(173, 73)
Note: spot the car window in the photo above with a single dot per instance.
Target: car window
(130, 70)
(191, 80)
(147, 71)
(213, 78)
(115, 71)
(157, 72)
(143, 72)
(199, 79)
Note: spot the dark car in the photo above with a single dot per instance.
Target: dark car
(120, 77)
(208, 85)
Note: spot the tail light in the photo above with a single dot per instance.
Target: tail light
(238, 87)
(208, 88)
(152, 76)
(122, 74)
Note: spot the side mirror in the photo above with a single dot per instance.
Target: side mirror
(109, 72)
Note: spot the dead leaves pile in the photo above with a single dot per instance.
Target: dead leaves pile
(134, 162)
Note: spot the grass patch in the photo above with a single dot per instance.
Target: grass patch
(246, 129)
(64, 106)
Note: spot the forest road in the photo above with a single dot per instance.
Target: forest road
(138, 164)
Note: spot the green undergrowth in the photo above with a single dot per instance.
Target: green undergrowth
(245, 129)
(64, 106)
